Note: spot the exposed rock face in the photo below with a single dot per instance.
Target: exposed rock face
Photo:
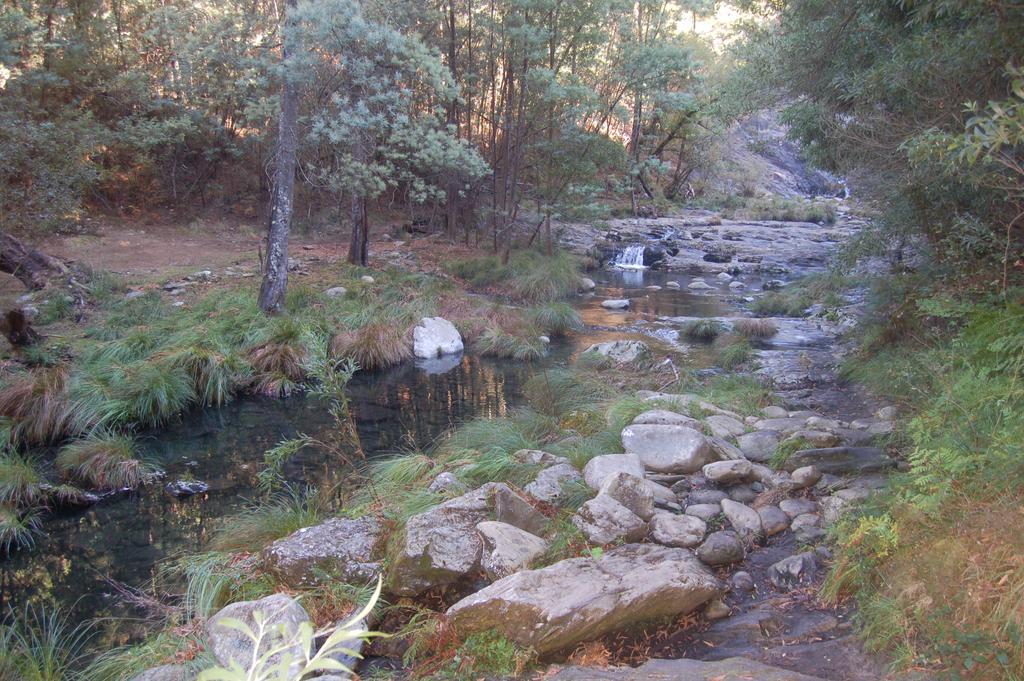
(744, 519)
(663, 417)
(604, 520)
(729, 472)
(600, 467)
(667, 449)
(339, 548)
(632, 492)
(684, 531)
(842, 460)
(435, 336)
(580, 599)
(621, 351)
(507, 549)
(441, 545)
(730, 669)
(548, 484)
(721, 548)
(230, 645)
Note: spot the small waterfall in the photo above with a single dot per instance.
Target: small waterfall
(632, 258)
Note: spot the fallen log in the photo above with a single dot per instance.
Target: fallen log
(31, 266)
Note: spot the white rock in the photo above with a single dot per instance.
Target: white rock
(548, 484)
(621, 351)
(724, 276)
(698, 285)
(436, 336)
(672, 284)
(366, 279)
(617, 304)
(668, 448)
(773, 412)
(663, 417)
(632, 492)
(587, 284)
(737, 285)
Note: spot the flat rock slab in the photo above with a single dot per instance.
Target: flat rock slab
(730, 669)
(667, 448)
(339, 548)
(842, 460)
(581, 599)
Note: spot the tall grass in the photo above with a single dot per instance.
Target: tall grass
(105, 461)
(260, 524)
(37, 404)
(521, 343)
(529, 276)
(374, 346)
(41, 645)
(18, 529)
(22, 483)
(556, 319)
(703, 329)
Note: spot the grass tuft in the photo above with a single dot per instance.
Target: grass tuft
(703, 329)
(104, 461)
(375, 346)
(755, 328)
(556, 319)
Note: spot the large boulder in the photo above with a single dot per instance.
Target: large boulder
(338, 549)
(547, 486)
(435, 336)
(841, 460)
(581, 599)
(667, 449)
(603, 521)
(600, 467)
(441, 545)
(621, 351)
(280, 613)
(507, 549)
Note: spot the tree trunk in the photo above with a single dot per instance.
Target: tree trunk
(358, 247)
(32, 268)
(275, 276)
(14, 325)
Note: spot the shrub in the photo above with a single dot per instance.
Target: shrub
(375, 346)
(104, 461)
(755, 328)
(530, 276)
(703, 329)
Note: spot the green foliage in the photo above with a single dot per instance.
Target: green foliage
(43, 646)
(529, 276)
(735, 354)
(703, 329)
(556, 319)
(776, 304)
(786, 210)
(22, 483)
(260, 524)
(18, 529)
(522, 343)
(786, 449)
(489, 653)
(556, 393)
(374, 346)
(104, 461)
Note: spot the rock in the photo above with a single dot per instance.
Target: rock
(793, 571)
(350, 654)
(685, 669)
(723, 276)
(336, 292)
(667, 449)
(366, 279)
(672, 284)
(703, 511)
(744, 494)
(582, 599)
(185, 488)
(507, 549)
(167, 672)
(773, 520)
(544, 339)
(834, 506)
(805, 476)
(784, 426)
(737, 285)
(795, 507)
(339, 548)
(728, 472)
(807, 528)
(699, 285)
(663, 417)
(684, 531)
(822, 423)
(815, 438)
(663, 496)
(229, 645)
(603, 521)
(441, 545)
(600, 467)
(132, 295)
(630, 491)
(653, 287)
(617, 304)
(775, 413)
(716, 610)
(536, 457)
(587, 284)
(446, 482)
(547, 486)
(621, 351)
(841, 460)
(434, 337)
(723, 450)
(744, 519)
(512, 508)
(758, 445)
(721, 548)
(706, 496)
(724, 426)
(887, 413)
(742, 581)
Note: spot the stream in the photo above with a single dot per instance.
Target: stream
(126, 536)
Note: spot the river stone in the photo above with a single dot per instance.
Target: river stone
(336, 292)
(446, 482)
(507, 549)
(822, 423)
(229, 645)
(807, 528)
(742, 581)
(587, 284)
(737, 285)
(179, 489)
(785, 426)
(536, 457)
(435, 336)
(441, 545)
(663, 496)
(699, 285)
(815, 438)
(339, 548)
(759, 445)
(795, 507)
(615, 304)
(728, 472)
(632, 492)
(887, 413)
(744, 494)
(729, 669)
(793, 571)
(841, 460)
(350, 654)
(672, 284)
(603, 521)
(621, 351)
(744, 519)
(514, 509)
(724, 426)
(166, 672)
(721, 548)
(547, 486)
(582, 599)
(703, 511)
(773, 520)
(600, 467)
(805, 476)
(724, 450)
(667, 449)
(723, 276)
(706, 496)
(663, 417)
(684, 531)
(775, 413)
